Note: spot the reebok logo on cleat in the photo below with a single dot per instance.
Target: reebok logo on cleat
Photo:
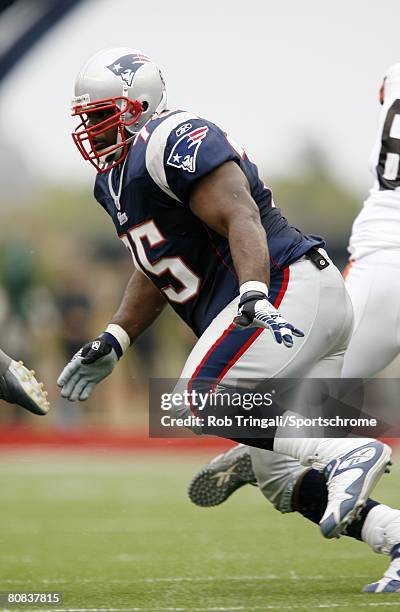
(224, 477)
(362, 457)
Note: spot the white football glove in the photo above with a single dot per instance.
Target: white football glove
(255, 310)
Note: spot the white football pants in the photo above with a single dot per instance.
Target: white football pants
(313, 300)
(373, 283)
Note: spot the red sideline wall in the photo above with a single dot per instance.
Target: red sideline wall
(26, 438)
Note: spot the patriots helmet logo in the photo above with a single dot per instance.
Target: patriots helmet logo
(184, 152)
(126, 66)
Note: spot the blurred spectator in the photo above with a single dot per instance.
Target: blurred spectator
(75, 308)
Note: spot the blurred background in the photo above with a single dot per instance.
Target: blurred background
(296, 85)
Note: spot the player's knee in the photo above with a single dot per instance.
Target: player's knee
(276, 476)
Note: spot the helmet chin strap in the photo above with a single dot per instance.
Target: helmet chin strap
(116, 195)
(111, 158)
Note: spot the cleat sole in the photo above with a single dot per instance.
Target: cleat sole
(212, 486)
(25, 390)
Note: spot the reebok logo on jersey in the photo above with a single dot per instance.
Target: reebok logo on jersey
(96, 345)
(122, 217)
(184, 152)
(183, 129)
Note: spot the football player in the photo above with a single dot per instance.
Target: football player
(372, 279)
(18, 385)
(372, 276)
(206, 237)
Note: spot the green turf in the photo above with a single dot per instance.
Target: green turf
(120, 533)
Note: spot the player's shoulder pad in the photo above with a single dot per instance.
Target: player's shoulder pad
(174, 125)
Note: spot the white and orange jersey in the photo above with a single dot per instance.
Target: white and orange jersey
(377, 226)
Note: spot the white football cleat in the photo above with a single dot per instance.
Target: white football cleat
(389, 545)
(390, 581)
(18, 385)
(350, 479)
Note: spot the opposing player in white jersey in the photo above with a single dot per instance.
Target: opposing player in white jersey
(373, 274)
(205, 237)
(373, 282)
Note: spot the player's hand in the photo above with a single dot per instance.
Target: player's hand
(93, 362)
(255, 310)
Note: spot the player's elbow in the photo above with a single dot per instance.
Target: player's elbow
(246, 209)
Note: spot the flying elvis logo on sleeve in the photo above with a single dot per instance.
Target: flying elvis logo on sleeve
(184, 151)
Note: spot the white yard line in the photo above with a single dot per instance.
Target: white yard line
(325, 606)
(266, 577)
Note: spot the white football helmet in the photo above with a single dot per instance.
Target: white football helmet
(391, 84)
(128, 88)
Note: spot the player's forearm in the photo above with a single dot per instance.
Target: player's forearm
(141, 304)
(249, 249)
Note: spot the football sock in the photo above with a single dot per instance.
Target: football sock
(310, 497)
(378, 521)
(263, 443)
(247, 431)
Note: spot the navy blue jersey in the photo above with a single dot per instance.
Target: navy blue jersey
(148, 200)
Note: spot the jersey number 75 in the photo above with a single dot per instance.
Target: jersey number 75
(175, 266)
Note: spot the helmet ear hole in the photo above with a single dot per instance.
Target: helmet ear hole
(145, 106)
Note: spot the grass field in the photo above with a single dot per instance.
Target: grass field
(119, 533)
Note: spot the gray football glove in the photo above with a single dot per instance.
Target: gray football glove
(93, 362)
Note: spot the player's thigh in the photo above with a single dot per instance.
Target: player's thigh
(276, 476)
(222, 349)
(316, 302)
(374, 287)
(313, 300)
